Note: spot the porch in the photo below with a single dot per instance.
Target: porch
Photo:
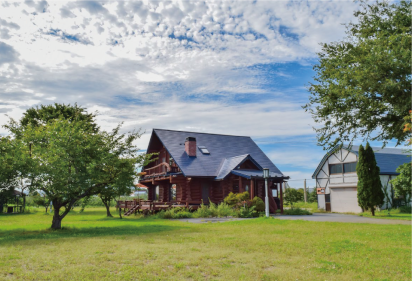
(176, 190)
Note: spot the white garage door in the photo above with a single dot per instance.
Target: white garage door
(344, 200)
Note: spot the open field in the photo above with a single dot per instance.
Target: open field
(92, 247)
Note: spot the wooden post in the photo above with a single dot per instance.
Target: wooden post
(304, 189)
(240, 185)
(252, 189)
(281, 196)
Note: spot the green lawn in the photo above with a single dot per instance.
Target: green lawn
(393, 215)
(92, 247)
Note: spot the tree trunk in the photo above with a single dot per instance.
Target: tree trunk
(120, 212)
(57, 220)
(107, 208)
(373, 211)
(24, 203)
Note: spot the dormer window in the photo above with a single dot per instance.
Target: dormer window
(204, 150)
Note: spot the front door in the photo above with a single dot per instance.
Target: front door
(205, 193)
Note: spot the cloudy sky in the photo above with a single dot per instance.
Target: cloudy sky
(231, 67)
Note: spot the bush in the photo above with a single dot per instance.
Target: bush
(213, 210)
(405, 209)
(234, 199)
(296, 212)
(247, 212)
(202, 212)
(259, 204)
(174, 213)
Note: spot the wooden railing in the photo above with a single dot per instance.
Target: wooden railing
(160, 169)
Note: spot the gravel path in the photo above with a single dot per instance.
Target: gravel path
(315, 217)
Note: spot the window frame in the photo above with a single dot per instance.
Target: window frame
(349, 163)
(342, 168)
(330, 170)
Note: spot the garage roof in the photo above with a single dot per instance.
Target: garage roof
(387, 159)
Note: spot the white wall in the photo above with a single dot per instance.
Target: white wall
(321, 201)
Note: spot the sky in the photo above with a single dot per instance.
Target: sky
(230, 67)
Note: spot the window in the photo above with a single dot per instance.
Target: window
(204, 150)
(247, 188)
(156, 195)
(274, 192)
(349, 167)
(335, 169)
(172, 192)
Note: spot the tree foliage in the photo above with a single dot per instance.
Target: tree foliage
(37, 116)
(293, 195)
(71, 159)
(370, 192)
(362, 85)
(402, 184)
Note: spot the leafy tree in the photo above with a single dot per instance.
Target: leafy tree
(292, 195)
(41, 200)
(362, 85)
(402, 184)
(313, 196)
(110, 192)
(71, 161)
(370, 192)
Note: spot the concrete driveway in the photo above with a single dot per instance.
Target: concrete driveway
(341, 218)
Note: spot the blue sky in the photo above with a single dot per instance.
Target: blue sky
(231, 67)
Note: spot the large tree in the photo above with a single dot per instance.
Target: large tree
(73, 133)
(362, 87)
(72, 160)
(370, 192)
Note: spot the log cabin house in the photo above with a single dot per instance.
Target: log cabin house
(197, 167)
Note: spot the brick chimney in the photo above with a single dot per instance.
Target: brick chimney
(190, 146)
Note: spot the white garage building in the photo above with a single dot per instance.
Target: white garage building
(336, 179)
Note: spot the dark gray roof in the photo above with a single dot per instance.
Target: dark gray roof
(221, 147)
(387, 159)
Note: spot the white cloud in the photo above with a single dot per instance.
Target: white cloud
(179, 65)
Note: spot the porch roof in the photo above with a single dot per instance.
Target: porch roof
(256, 174)
(231, 163)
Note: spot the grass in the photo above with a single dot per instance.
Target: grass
(394, 214)
(93, 247)
(311, 207)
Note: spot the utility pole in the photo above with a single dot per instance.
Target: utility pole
(266, 176)
(304, 193)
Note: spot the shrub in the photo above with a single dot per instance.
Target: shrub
(202, 212)
(405, 209)
(234, 199)
(224, 210)
(213, 210)
(247, 212)
(174, 213)
(296, 212)
(259, 204)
